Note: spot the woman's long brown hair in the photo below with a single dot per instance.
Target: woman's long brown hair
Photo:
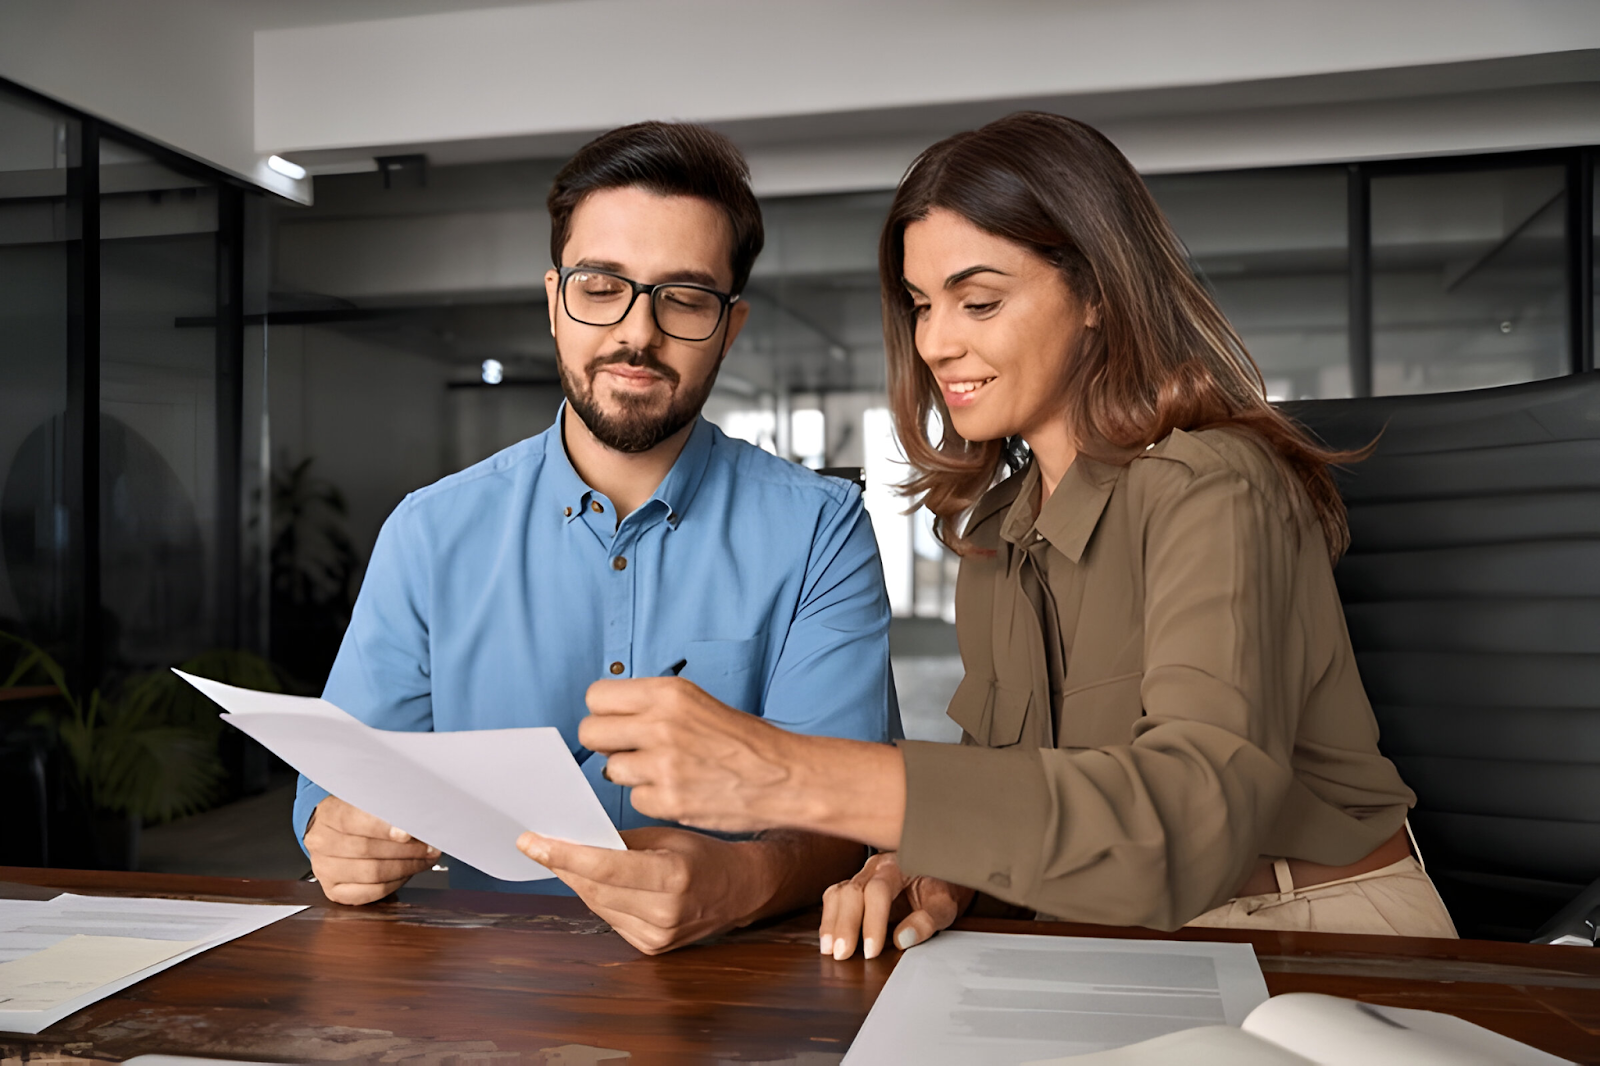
(1163, 356)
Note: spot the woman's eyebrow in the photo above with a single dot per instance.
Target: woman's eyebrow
(962, 275)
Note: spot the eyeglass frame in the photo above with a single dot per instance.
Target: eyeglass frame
(725, 300)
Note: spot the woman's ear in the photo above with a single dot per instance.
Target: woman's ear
(1091, 317)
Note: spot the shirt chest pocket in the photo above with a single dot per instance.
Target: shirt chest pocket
(992, 713)
(1102, 714)
(730, 670)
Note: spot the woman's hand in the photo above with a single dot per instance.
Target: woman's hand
(697, 761)
(864, 904)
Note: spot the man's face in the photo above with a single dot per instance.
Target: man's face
(632, 385)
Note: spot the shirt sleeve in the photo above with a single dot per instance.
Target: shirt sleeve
(382, 672)
(832, 674)
(1155, 831)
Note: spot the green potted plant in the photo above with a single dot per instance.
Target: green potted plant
(149, 754)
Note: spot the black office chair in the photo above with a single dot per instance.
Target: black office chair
(1472, 593)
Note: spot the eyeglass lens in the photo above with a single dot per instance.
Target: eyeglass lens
(686, 312)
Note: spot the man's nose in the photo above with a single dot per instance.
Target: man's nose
(638, 329)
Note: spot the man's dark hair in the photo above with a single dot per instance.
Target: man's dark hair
(669, 159)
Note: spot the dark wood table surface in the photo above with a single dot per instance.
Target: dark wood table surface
(435, 978)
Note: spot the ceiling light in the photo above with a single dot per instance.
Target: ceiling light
(494, 372)
(293, 171)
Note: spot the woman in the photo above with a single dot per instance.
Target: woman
(1163, 719)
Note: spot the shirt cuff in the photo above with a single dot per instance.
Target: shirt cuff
(975, 817)
(306, 798)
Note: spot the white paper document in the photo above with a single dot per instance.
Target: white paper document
(469, 793)
(975, 999)
(58, 956)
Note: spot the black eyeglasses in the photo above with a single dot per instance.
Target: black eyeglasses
(681, 310)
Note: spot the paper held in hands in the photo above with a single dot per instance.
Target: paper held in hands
(469, 794)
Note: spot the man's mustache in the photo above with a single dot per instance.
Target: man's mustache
(635, 358)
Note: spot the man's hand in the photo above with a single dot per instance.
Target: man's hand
(358, 858)
(865, 902)
(670, 888)
(692, 759)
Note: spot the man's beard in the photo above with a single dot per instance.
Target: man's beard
(634, 427)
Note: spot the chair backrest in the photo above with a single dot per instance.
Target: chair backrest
(1472, 594)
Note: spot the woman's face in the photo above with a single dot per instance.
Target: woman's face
(996, 324)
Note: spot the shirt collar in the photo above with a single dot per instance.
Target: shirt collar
(1072, 512)
(570, 489)
(676, 491)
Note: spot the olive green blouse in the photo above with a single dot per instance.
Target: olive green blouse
(1159, 690)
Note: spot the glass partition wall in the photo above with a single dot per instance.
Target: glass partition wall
(40, 246)
(125, 496)
(1468, 279)
(124, 502)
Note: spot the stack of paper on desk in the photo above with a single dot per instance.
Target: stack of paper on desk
(469, 793)
(986, 999)
(971, 999)
(58, 956)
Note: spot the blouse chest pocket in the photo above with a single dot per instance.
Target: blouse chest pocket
(1102, 714)
(992, 713)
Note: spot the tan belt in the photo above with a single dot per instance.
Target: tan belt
(1263, 880)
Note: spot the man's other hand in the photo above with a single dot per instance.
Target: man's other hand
(670, 888)
(358, 858)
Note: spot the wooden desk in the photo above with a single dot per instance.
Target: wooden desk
(444, 977)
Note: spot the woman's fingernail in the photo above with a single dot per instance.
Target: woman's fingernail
(906, 939)
(433, 852)
(827, 944)
(839, 947)
(399, 836)
(869, 948)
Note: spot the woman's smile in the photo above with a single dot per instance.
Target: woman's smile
(963, 393)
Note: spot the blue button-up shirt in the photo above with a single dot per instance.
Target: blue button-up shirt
(496, 596)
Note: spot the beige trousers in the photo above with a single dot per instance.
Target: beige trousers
(1397, 900)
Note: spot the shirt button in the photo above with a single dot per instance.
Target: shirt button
(567, 511)
(617, 668)
(619, 563)
(594, 505)
(998, 880)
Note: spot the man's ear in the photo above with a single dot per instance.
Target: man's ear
(552, 286)
(738, 315)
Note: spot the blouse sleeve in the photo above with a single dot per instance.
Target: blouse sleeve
(1159, 829)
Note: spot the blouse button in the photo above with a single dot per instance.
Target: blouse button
(617, 668)
(619, 563)
(567, 511)
(594, 505)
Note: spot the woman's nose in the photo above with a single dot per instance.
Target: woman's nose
(937, 340)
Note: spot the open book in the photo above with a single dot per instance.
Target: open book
(1308, 1029)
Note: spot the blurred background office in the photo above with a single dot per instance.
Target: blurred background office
(267, 266)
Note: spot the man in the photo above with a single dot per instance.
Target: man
(631, 539)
